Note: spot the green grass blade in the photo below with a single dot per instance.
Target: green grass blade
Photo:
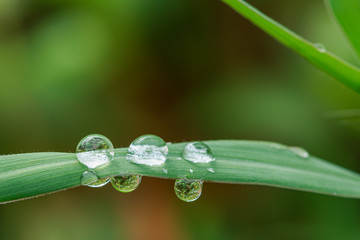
(242, 162)
(347, 13)
(328, 62)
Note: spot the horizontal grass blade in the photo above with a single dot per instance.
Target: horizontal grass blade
(318, 56)
(242, 162)
(347, 14)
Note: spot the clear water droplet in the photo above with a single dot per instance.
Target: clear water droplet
(211, 170)
(90, 179)
(99, 183)
(95, 150)
(126, 183)
(300, 152)
(191, 170)
(165, 170)
(149, 150)
(188, 190)
(197, 152)
(320, 47)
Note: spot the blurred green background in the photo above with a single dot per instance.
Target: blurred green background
(183, 70)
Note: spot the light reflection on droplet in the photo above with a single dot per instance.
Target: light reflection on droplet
(94, 151)
(197, 152)
(149, 150)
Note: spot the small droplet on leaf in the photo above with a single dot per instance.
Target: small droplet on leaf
(300, 152)
(197, 152)
(320, 47)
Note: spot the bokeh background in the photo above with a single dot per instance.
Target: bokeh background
(183, 70)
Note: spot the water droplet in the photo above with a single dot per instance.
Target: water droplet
(149, 150)
(95, 150)
(299, 152)
(188, 190)
(90, 179)
(320, 47)
(191, 170)
(165, 170)
(126, 183)
(99, 183)
(211, 170)
(197, 152)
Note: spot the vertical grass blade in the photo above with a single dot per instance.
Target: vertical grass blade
(347, 14)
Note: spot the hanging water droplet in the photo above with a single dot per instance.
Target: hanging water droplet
(149, 150)
(320, 47)
(90, 179)
(99, 183)
(211, 170)
(95, 150)
(126, 183)
(300, 152)
(188, 190)
(197, 152)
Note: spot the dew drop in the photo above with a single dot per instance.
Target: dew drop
(197, 152)
(188, 190)
(95, 150)
(211, 170)
(126, 183)
(99, 183)
(90, 179)
(149, 150)
(165, 170)
(320, 47)
(300, 152)
(191, 170)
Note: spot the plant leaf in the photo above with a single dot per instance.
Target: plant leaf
(242, 162)
(347, 13)
(326, 61)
